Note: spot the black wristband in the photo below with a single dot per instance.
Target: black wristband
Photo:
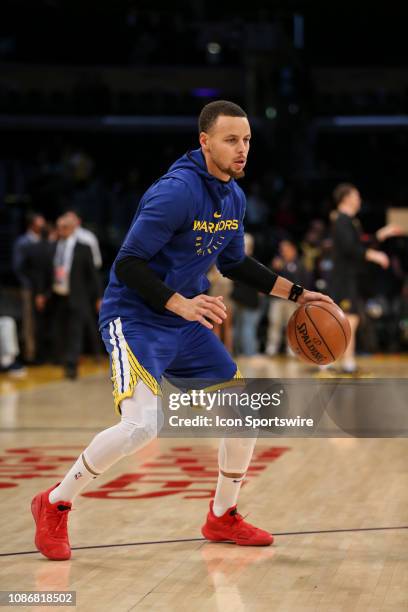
(295, 292)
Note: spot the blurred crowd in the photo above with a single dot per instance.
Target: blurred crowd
(57, 267)
(60, 274)
(53, 268)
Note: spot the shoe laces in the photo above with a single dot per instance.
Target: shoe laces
(240, 524)
(237, 516)
(57, 519)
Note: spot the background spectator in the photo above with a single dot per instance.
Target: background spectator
(247, 312)
(9, 344)
(35, 225)
(85, 236)
(288, 265)
(221, 285)
(37, 268)
(75, 289)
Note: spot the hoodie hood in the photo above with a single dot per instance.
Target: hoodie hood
(186, 222)
(195, 161)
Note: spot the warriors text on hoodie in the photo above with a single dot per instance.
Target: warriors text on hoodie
(186, 222)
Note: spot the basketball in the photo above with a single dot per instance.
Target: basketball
(318, 333)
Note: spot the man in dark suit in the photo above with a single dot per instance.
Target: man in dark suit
(32, 236)
(36, 265)
(75, 288)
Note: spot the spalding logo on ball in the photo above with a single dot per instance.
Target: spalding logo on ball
(318, 332)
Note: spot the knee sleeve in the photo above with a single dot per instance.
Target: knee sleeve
(234, 454)
(142, 418)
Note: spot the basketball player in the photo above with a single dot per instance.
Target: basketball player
(349, 255)
(156, 320)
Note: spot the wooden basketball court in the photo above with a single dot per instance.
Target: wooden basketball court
(338, 508)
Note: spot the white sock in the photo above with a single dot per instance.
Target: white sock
(234, 455)
(226, 494)
(138, 426)
(75, 480)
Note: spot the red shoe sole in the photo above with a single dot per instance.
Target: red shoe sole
(210, 536)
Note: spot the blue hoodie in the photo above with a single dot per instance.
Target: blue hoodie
(186, 222)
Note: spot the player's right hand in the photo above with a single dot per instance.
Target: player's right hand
(202, 308)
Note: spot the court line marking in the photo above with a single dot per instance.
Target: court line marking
(181, 541)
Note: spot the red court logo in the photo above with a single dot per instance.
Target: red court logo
(188, 471)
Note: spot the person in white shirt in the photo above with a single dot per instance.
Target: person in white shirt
(75, 295)
(85, 236)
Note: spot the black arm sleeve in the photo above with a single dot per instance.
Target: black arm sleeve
(254, 274)
(136, 274)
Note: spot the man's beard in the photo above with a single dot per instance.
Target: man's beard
(235, 175)
(231, 173)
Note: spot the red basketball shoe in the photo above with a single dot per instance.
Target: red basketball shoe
(231, 527)
(51, 536)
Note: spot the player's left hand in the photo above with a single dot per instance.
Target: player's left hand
(313, 296)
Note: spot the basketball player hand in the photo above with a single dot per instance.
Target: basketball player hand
(313, 296)
(200, 308)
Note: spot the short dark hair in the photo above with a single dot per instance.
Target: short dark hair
(213, 110)
(74, 211)
(31, 217)
(342, 191)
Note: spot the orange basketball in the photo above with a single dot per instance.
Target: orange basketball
(318, 332)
